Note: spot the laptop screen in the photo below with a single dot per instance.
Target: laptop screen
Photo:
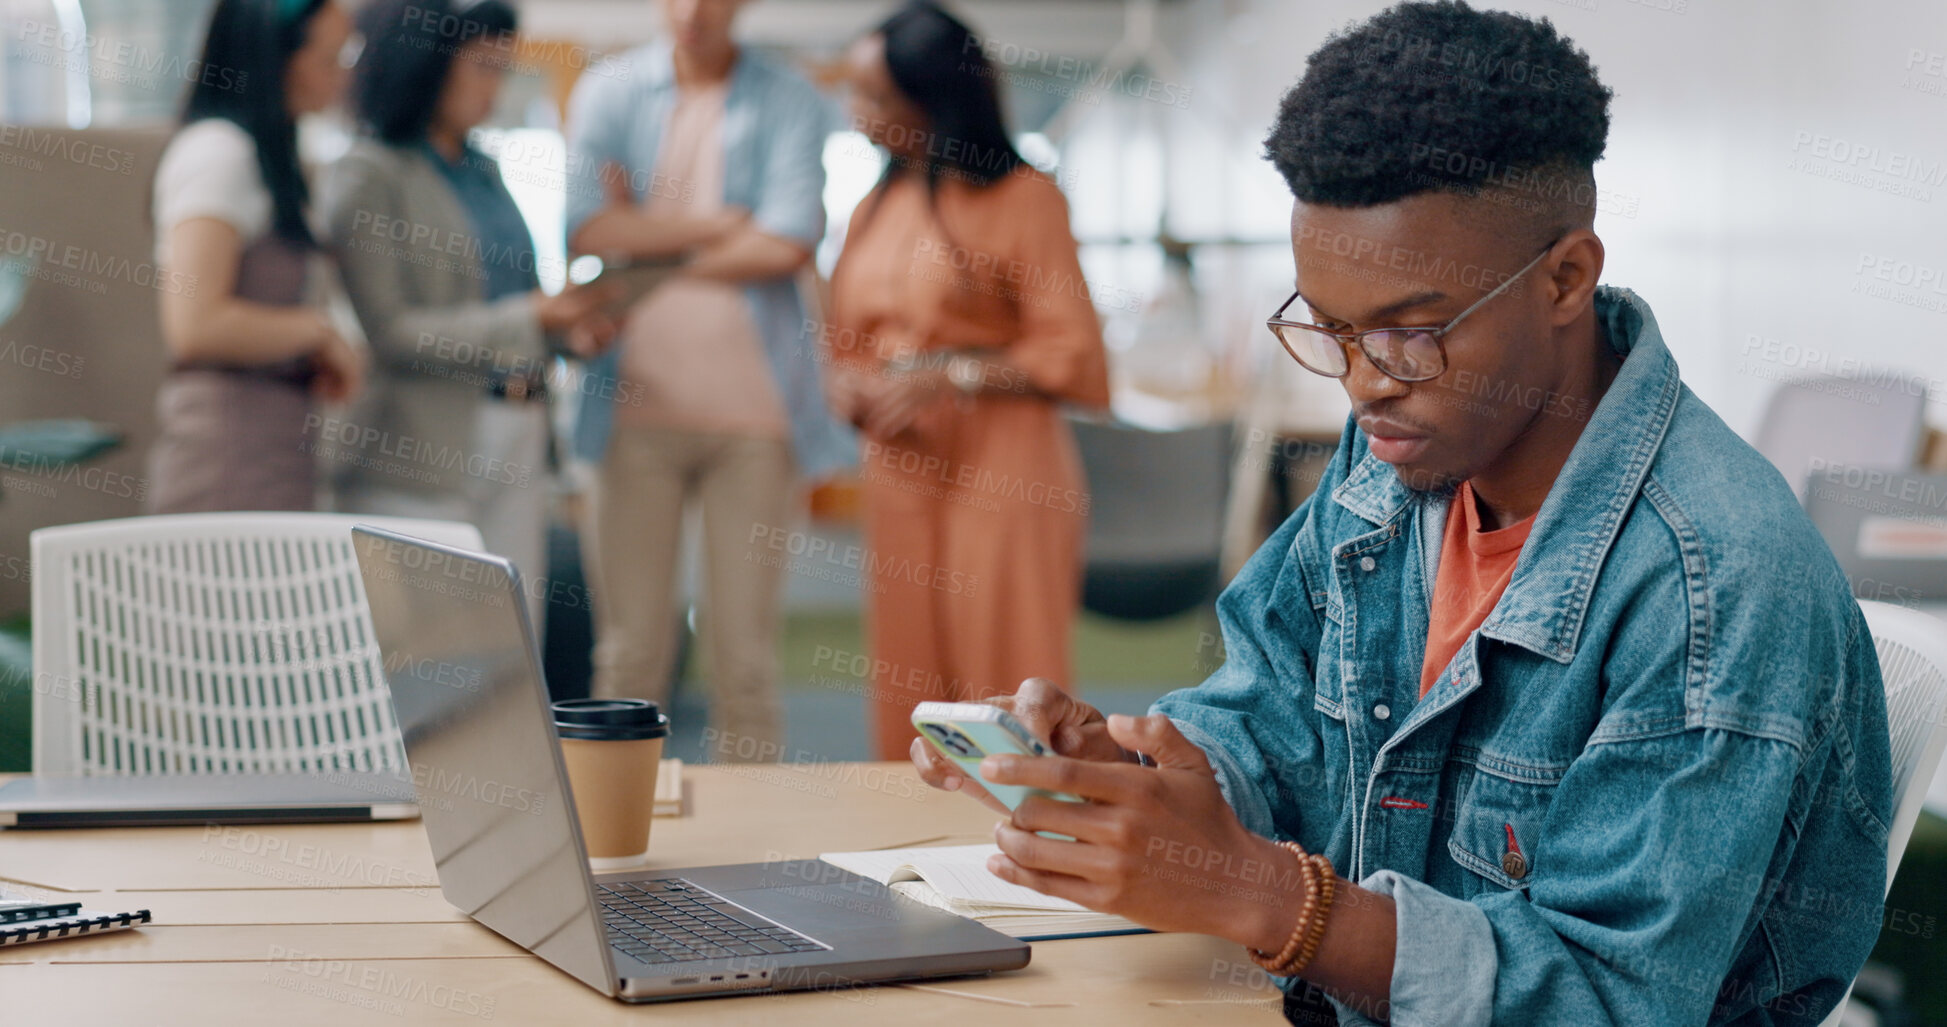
(461, 661)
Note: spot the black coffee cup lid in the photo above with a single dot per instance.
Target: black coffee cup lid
(609, 719)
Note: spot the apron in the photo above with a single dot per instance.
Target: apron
(232, 437)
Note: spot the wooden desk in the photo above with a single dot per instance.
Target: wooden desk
(344, 924)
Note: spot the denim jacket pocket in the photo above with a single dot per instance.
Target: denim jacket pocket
(1498, 824)
(1328, 693)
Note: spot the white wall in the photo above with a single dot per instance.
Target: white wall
(1714, 107)
(1721, 218)
(1063, 26)
(1750, 258)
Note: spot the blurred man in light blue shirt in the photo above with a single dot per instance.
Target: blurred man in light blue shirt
(697, 150)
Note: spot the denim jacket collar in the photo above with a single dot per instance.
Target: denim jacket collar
(1553, 581)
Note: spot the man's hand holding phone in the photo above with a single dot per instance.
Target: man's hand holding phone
(1071, 727)
(1157, 844)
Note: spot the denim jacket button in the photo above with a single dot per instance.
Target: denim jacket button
(1382, 711)
(1366, 564)
(1514, 865)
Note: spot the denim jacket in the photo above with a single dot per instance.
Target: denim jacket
(774, 130)
(1674, 716)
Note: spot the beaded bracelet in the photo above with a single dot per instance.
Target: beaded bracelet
(1306, 934)
(1328, 885)
(1308, 871)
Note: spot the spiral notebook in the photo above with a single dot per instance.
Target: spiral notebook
(26, 919)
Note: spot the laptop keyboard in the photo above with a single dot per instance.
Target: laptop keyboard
(671, 920)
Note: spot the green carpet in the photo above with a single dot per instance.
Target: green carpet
(16, 698)
(1913, 935)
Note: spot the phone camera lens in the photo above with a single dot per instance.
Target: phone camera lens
(952, 740)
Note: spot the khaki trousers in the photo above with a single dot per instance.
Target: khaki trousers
(744, 486)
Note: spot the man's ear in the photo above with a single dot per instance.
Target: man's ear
(1576, 273)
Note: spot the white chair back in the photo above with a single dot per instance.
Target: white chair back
(211, 644)
(1912, 650)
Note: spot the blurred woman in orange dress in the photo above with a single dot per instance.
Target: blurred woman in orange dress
(960, 322)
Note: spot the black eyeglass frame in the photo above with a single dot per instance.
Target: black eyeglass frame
(1438, 333)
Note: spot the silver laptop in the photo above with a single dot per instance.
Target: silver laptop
(164, 799)
(494, 797)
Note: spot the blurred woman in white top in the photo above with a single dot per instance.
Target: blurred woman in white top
(250, 353)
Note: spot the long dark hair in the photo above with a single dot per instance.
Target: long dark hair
(937, 63)
(409, 50)
(250, 44)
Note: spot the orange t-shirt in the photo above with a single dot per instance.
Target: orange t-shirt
(1475, 566)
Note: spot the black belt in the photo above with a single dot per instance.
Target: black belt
(298, 374)
(517, 388)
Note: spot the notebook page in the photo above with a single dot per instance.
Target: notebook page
(879, 865)
(956, 871)
(972, 883)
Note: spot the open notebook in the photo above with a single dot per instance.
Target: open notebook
(955, 878)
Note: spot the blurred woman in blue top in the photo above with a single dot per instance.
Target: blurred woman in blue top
(441, 268)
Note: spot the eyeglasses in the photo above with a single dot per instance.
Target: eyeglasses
(1403, 354)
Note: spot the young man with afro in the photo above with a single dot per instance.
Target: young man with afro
(1550, 706)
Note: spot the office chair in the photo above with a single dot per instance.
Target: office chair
(211, 644)
(1156, 517)
(1912, 650)
(1863, 421)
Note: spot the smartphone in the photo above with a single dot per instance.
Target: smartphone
(965, 732)
(634, 278)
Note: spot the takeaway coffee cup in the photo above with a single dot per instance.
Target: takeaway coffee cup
(612, 748)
